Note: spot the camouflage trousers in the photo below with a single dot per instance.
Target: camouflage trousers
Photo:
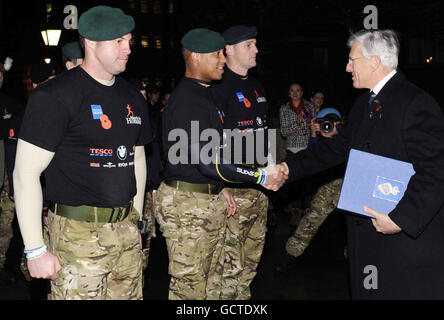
(99, 261)
(6, 217)
(322, 204)
(148, 214)
(193, 225)
(244, 243)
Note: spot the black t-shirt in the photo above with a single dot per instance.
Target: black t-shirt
(93, 130)
(9, 109)
(243, 101)
(191, 100)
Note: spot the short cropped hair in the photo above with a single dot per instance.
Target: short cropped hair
(382, 43)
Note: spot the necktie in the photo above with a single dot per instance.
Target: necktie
(372, 97)
(370, 101)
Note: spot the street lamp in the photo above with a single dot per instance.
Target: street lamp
(51, 37)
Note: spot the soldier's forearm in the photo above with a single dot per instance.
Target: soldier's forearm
(30, 162)
(140, 173)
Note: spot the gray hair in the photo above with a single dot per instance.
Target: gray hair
(382, 43)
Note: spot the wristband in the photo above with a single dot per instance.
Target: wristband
(36, 253)
(264, 177)
(259, 177)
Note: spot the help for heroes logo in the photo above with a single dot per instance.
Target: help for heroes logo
(130, 118)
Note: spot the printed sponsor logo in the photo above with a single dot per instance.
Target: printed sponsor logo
(245, 123)
(109, 165)
(261, 99)
(131, 163)
(245, 172)
(258, 98)
(96, 111)
(259, 121)
(240, 96)
(98, 152)
(121, 152)
(94, 164)
(130, 118)
(123, 164)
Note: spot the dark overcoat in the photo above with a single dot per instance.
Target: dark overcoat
(405, 124)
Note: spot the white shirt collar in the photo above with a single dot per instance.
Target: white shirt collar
(382, 83)
(107, 83)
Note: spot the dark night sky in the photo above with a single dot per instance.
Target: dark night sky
(294, 37)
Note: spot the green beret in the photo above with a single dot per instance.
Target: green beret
(104, 23)
(72, 50)
(203, 41)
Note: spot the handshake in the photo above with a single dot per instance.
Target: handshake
(277, 174)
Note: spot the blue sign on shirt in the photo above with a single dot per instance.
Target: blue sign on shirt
(96, 110)
(240, 96)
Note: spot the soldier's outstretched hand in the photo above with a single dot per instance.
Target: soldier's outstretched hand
(277, 174)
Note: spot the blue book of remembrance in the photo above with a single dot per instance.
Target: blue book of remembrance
(373, 181)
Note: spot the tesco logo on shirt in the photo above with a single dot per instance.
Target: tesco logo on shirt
(98, 152)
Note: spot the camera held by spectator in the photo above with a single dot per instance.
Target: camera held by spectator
(327, 123)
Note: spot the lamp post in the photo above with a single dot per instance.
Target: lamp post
(51, 37)
(51, 31)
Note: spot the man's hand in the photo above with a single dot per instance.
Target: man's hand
(276, 176)
(231, 204)
(46, 267)
(285, 168)
(314, 127)
(382, 222)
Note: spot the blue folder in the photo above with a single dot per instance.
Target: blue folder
(373, 181)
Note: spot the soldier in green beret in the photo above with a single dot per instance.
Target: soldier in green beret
(72, 55)
(86, 129)
(192, 204)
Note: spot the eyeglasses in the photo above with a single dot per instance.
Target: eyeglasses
(352, 60)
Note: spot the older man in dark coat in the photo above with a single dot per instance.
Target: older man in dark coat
(399, 255)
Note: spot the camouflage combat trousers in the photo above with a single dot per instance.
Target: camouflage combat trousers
(244, 243)
(193, 225)
(99, 261)
(322, 204)
(6, 217)
(148, 214)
